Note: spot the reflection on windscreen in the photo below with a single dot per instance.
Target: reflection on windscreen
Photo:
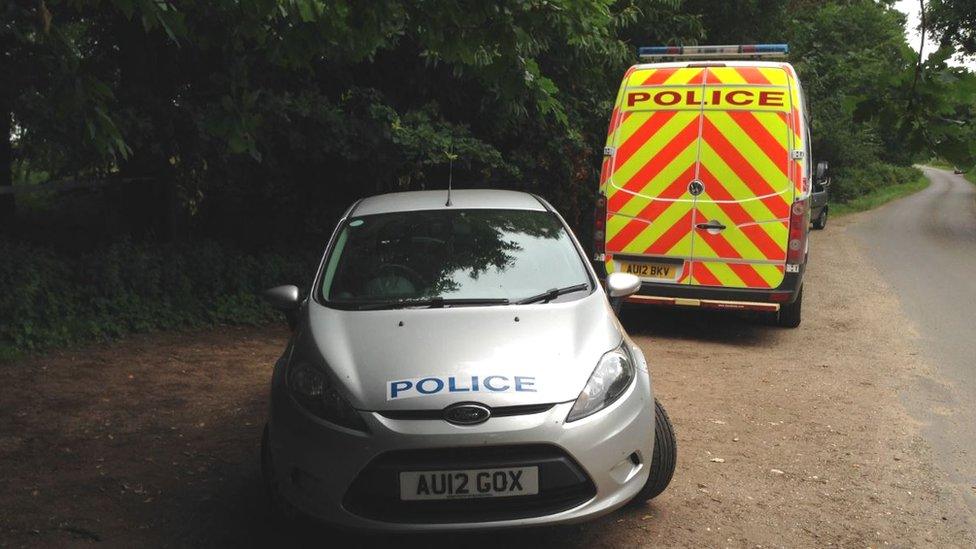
(456, 254)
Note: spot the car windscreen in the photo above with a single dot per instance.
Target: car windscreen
(455, 255)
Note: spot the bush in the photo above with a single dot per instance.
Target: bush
(852, 182)
(49, 299)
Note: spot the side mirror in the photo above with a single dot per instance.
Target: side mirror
(821, 175)
(283, 298)
(621, 285)
(286, 299)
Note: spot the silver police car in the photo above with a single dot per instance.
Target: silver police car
(457, 365)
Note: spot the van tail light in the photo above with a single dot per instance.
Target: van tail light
(799, 223)
(600, 227)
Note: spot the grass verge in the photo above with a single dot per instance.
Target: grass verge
(943, 165)
(879, 196)
(939, 163)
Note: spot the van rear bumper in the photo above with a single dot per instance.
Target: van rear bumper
(653, 293)
(669, 294)
(704, 303)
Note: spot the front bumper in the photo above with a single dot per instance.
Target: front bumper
(320, 469)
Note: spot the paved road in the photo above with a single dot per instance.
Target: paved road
(925, 247)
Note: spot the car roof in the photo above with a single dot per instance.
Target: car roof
(461, 199)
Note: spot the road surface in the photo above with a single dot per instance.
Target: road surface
(925, 247)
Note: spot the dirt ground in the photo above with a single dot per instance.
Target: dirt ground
(786, 437)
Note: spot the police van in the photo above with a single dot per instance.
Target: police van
(706, 180)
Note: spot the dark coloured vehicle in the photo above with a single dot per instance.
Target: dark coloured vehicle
(818, 198)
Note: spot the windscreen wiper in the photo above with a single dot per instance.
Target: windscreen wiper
(549, 295)
(431, 303)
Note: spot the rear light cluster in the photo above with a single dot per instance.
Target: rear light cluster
(799, 222)
(600, 227)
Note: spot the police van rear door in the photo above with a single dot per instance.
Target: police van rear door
(747, 171)
(650, 163)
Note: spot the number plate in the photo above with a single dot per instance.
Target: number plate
(650, 270)
(470, 483)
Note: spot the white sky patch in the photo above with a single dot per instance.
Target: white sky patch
(911, 9)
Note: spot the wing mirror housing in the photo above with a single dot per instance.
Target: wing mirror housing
(286, 299)
(283, 298)
(821, 176)
(620, 286)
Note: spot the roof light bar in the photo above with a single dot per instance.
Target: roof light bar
(725, 52)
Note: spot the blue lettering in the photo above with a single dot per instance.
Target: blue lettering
(454, 388)
(396, 387)
(526, 384)
(489, 386)
(438, 385)
(456, 384)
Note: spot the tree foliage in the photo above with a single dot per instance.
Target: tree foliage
(258, 119)
(955, 23)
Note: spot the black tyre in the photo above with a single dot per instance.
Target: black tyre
(664, 459)
(821, 221)
(789, 315)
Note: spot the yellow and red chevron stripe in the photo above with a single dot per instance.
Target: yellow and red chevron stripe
(732, 128)
(735, 275)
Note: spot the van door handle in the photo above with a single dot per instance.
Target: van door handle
(711, 225)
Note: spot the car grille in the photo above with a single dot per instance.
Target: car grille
(499, 411)
(375, 494)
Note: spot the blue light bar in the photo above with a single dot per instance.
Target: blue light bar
(750, 50)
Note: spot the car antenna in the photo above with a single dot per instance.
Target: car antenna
(450, 173)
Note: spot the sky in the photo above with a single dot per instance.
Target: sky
(911, 8)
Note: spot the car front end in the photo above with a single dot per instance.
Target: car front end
(458, 367)
(350, 475)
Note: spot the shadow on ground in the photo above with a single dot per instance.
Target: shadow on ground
(741, 329)
(236, 512)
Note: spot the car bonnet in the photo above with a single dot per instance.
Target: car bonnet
(422, 359)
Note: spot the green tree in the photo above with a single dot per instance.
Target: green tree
(954, 21)
(58, 98)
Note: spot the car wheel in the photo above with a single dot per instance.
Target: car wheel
(821, 221)
(789, 315)
(664, 459)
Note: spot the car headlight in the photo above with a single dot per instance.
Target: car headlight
(315, 392)
(611, 377)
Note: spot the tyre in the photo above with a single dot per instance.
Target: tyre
(789, 315)
(664, 459)
(821, 221)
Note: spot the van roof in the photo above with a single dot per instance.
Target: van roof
(713, 62)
